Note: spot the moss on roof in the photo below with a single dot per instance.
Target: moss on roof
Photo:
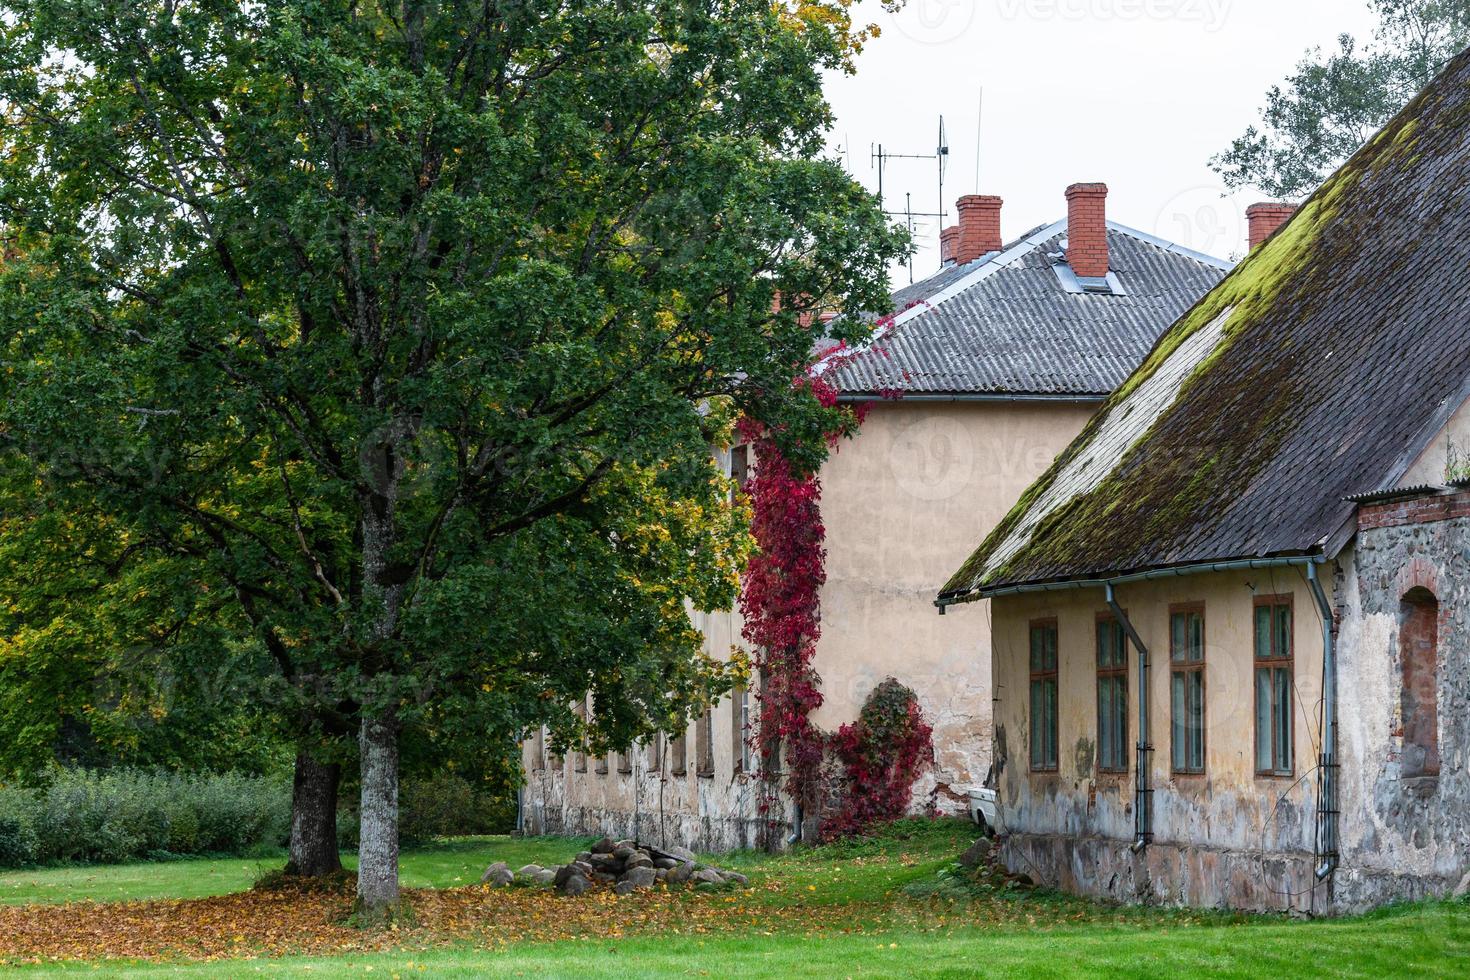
(1344, 333)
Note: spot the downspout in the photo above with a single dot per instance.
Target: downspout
(1325, 845)
(1143, 797)
(796, 818)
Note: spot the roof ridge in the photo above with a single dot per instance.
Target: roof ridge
(1225, 265)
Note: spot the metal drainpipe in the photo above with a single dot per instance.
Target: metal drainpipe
(1143, 793)
(1327, 811)
(796, 817)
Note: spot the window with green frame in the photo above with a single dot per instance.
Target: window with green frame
(1044, 738)
(1112, 695)
(1187, 689)
(1274, 682)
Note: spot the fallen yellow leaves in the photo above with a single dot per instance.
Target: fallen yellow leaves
(306, 921)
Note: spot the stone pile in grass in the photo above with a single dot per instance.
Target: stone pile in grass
(626, 865)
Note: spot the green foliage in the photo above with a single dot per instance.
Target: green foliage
(84, 817)
(376, 349)
(1334, 102)
(440, 805)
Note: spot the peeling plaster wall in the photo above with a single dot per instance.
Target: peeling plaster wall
(718, 812)
(903, 504)
(1225, 838)
(1403, 838)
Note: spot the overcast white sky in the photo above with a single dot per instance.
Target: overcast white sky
(1136, 93)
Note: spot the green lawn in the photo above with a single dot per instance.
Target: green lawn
(835, 911)
(442, 865)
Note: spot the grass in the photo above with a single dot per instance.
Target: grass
(439, 865)
(1413, 941)
(833, 911)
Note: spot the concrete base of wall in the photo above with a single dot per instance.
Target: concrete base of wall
(1168, 874)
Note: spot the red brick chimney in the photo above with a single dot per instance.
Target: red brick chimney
(979, 227)
(949, 238)
(1265, 218)
(1087, 230)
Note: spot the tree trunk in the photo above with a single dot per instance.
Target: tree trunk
(313, 852)
(377, 864)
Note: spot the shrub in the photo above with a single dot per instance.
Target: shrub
(881, 755)
(442, 804)
(81, 816)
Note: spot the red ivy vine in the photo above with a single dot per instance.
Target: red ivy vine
(882, 753)
(781, 605)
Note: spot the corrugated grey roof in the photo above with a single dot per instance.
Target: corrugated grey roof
(1005, 325)
(1319, 369)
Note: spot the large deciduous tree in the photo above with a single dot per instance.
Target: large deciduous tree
(401, 331)
(1334, 102)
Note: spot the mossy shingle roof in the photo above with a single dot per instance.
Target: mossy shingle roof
(1317, 369)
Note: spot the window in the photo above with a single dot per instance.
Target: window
(656, 752)
(625, 761)
(1274, 683)
(1419, 651)
(1187, 688)
(602, 765)
(1112, 695)
(679, 754)
(770, 751)
(740, 467)
(1044, 696)
(704, 742)
(579, 759)
(538, 750)
(740, 729)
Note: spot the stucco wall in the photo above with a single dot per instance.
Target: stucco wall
(1227, 837)
(1450, 447)
(903, 504)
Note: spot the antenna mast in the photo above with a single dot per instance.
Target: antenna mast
(879, 158)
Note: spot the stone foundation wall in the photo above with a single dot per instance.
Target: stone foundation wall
(1190, 875)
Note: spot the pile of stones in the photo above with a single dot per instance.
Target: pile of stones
(626, 865)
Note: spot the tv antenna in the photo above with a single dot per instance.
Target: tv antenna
(880, 158)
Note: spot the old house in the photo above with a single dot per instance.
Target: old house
(1229, 624)
(1000, 358)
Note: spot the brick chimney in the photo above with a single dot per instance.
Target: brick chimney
(1087, 230)
(979, 227)
(949, 239)
(1265, 218)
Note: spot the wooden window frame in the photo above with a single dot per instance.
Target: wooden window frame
(1274, 662)
(625, 762)
(1188, 667)
(704, 744)
(1112, 672)
(679, 754)
(739, 469)
(579, 759)
(1053, 674)
(538, 750)
(740, 730)
(656, 752)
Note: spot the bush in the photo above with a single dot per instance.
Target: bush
(81, 816)
(443, 804)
